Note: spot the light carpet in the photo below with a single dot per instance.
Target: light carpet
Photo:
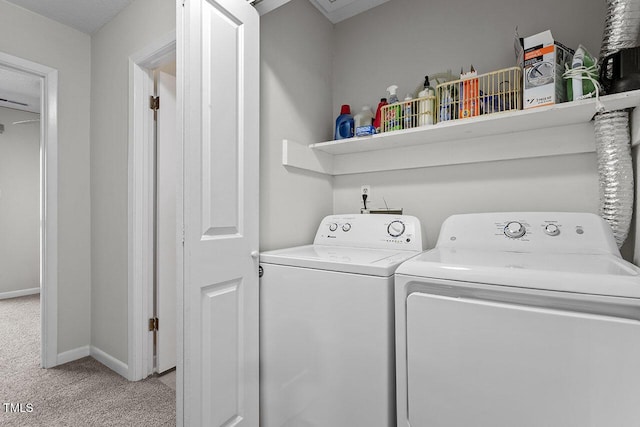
(79, 393)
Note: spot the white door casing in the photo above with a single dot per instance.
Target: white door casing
(48, 203)
(166, 226)
(218, 81)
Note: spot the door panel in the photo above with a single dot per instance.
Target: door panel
(220, 57)
(220, 333)
(221, 92)
(486, 364)
(166, 230)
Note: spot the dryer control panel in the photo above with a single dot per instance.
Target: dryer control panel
(371, 231)
(555, 232)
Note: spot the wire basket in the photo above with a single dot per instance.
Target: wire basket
(489, 93)
(408, 114)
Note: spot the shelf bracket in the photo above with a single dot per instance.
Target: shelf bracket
(299, 155)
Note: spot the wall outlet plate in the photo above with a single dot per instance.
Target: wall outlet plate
(366, 189)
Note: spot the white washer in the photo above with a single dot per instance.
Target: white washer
(519, 319)
(326, 323)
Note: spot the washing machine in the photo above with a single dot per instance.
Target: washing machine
(326, 323)
(519, 319)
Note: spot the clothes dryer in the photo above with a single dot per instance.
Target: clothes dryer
(519, 319)
(326, 323)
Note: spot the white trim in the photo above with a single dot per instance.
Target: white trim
(48, 203)
(75, 354)
(141, 203)
(109, 361)
(20, 293)
(180, 83)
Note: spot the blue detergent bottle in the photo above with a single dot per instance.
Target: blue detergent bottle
(344, 123)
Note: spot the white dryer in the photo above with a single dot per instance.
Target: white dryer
(519, 319)
(326, 323)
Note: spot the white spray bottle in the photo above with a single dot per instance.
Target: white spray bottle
(394, 111)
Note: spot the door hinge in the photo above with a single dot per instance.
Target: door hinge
(153, 324)
(154, 103)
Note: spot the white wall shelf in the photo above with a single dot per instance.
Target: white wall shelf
(479, 139)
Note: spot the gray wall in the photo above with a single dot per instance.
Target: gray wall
(140, 24)
(19, 201)
(38, 39)
(295, 91)
(401, 41)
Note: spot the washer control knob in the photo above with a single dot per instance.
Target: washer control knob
(514, 230)
(333, 226)
(346, 227)
(552, 230)
(396, 228)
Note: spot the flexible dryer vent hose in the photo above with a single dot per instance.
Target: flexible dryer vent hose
(613, 145)
(615, 169)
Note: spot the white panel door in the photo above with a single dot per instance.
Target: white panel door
(487, 364)
(166, 229)
(218, 42)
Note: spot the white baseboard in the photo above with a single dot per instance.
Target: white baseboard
(20, 293)
(110, 362)
(71, 355)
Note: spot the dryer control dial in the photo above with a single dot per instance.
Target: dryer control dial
(514, 230)
(396, 228)
(333, 226)
(346, 227)
(552, 230)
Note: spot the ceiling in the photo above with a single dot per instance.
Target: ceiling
(87, 16)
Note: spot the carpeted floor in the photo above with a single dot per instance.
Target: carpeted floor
(80, 393)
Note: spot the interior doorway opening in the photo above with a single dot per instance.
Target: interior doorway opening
(48, 199)
(153, 232)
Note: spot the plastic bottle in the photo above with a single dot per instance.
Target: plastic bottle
(377, 122)
(364, 122)
(394, 113)
(426, 107)
(344, 123)
(407, 112)
(364, 117)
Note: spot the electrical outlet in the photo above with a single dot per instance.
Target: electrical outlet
(366, 189)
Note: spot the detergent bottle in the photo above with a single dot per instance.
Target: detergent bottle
(344, 123)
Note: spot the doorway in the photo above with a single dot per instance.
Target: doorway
(166, 232)
(150, 248)
(46, 81)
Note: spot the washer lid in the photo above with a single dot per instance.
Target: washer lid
(373, 262)
(596, 274)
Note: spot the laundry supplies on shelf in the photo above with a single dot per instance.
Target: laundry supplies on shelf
(364, 122)
(476, 95)
(544, 64)
(344, 123)
(392, 112)
(426, 104)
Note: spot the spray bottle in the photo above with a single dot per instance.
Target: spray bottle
(394, 112)
(426, 106)
(408, 118)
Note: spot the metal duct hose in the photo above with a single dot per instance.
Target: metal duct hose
(613, 140)
(615, 168)
(621, 26)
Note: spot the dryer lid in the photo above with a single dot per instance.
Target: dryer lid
(595, 274)
(373, 262)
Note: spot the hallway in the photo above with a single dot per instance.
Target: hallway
(80, 393)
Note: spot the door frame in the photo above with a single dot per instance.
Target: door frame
(141, 200)
(48, 202)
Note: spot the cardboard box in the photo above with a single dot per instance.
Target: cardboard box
(544, 64)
